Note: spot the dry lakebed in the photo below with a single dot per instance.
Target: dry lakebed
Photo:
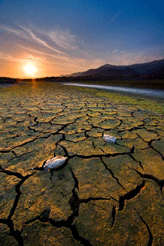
(106, 193)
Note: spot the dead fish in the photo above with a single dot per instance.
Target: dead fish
(109, 139)
(54, 163)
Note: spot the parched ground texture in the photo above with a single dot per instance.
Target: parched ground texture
(106, 194)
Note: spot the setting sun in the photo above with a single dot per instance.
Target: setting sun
(30, 69)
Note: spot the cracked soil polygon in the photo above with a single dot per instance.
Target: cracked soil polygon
(106, 194)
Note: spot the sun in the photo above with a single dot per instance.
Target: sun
(30, 69)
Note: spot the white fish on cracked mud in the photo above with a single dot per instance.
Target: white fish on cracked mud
(109, 139)
(54, 163)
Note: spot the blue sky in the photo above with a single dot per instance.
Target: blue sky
(66, 36)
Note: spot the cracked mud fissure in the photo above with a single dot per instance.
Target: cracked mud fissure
(106, 193)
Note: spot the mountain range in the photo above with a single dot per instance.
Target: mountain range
(149, 69)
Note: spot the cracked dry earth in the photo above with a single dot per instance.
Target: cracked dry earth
(106, 194)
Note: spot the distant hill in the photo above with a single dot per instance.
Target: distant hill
(7, 80)
(109, 71)
(149, 69)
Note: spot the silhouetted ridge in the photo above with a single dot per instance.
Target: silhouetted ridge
(154, 69)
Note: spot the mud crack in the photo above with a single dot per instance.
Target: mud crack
(130, 195)
(15, 233)
(112, 174)
(150, 241)
(149, 176)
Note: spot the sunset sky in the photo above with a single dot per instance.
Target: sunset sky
(62, 37)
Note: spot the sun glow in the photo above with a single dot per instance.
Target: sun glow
(30, 69)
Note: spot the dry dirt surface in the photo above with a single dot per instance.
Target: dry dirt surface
(106, 193)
